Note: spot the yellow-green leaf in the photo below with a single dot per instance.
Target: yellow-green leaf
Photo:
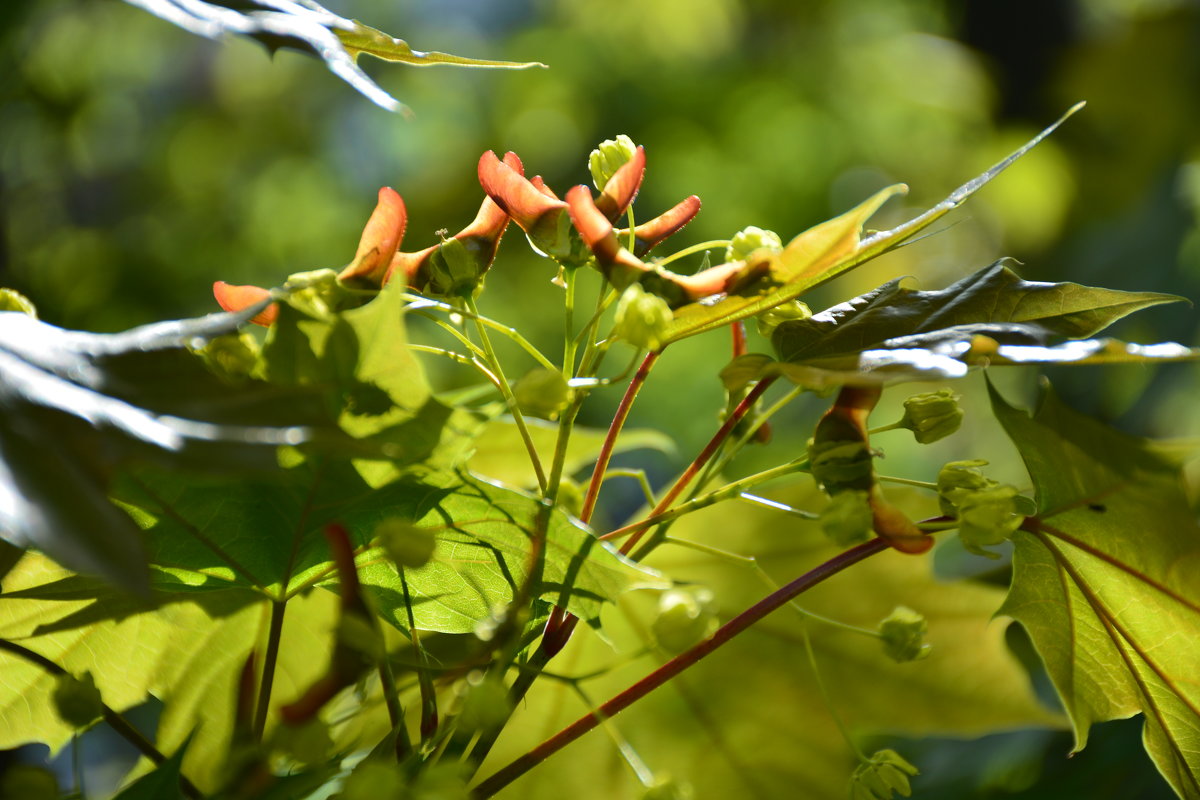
(1104, 579)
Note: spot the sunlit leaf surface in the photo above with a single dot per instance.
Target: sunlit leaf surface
(992, 317)
(1104, 579)
(304, 25)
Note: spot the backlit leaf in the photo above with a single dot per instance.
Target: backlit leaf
(499, 453)
(1104, 579)
(825, 251)
(484, 541)
(989, 318)
(75, 405)
(306, 26)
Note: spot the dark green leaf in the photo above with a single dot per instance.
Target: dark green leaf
(825, 251)
(1104, 579)
(992, 317)
(484, 543)
(306, 26)
(74, 405)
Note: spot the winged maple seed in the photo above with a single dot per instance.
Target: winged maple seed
(378, 258)
(553, 226)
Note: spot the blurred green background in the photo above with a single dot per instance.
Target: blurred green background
(138, 164)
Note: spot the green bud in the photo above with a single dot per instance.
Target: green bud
(317, 292)
(957, 476)
(233, 356)
(666, 788)
(747, 240)
(686, 617)
(542, 393)
(453, 270)
(77, 700)
(444, 781)
(642, 318)
(405, 543)
(932, 416)
(848, 519)
(987, 517)
(884, 774)
(608, 157)
(903, 633)
(790, 311)
(841, 465)
(11, 300)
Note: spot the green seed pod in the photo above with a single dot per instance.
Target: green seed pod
(542, 393)
(790, 311)
(405, 543)
(641, 318)
(686, 617)
(987, 517)
(233, 356)
(453, 270)
(932, 416)
(747, 240)
(884, 774)
(848, 518)
(11, 300)
(903, 633)
(77, 700)
(608, 157)
(958, 476)
(841, 465)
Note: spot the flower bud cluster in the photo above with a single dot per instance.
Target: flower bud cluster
(932, 415)
(903, 634)
(987, 511)
(876, 779)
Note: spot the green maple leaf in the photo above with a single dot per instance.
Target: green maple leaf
(308, 27)
(992, 317)
(1104, 579)
(756, 724)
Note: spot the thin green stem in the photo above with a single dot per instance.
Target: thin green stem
(499, 327)
(636, 764)
(114, 720)
(752, 563)
(709, 450)
(837, 719)
(638, 475)
(270, 659)
(766, 502)
(724, 493)
(712, 244)
(77, 765)
(907, 482)
(506, 390)
(675, 666)
(441, 351)
(605, 300)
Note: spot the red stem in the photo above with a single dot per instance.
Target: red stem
(707, 453)
(675, 666)
(614, 430)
